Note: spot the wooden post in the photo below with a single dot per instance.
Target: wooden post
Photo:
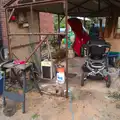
(114, 24)
(59, 30)
(100, 31)
(66, 24)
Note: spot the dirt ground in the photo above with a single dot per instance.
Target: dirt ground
(90, 102)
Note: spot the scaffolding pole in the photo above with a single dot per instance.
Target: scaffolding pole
(66, 24)
(7, 28)
(39, 3)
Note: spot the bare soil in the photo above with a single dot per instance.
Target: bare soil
(91, 102)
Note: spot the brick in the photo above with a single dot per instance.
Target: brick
(46, 24)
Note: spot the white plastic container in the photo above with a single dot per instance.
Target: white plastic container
(60, 75)
(60, 78)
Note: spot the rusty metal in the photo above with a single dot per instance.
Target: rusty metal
(37, 3)
(19, 46)
(21, 34)
(7, 28)
(15, 56)
(58, 23)
(9, 3)
(40, 49)
(11, 14)
(31, 14)
(66, 24)
(59, 29)
(62, 18)
(36, 48)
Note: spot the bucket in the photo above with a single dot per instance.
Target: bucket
(60, 75)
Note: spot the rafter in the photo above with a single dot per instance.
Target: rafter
(82, 3)
(9, 3)
(81, 7)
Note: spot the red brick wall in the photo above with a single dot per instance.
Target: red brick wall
(46, 22)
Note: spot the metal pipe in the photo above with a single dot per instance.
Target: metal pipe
(66, 24)
(36, 48)
(99, 6)
(58, 23)
(31, 15)
(19, 46)
(7, 27)
(9, 3)
(59, 30)
(35, 57)
(62, 19)
(38, 3)
(21, 34)
(40, 54)
(15, 56)
(13, 10)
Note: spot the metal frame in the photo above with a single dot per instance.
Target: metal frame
(66, 11)
(30, 5)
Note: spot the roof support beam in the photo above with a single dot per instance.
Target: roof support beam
(106, 2)
(99, 10)
(78, 5)
(37, 3)
(9, 3)
(112, 3)
(81, 7)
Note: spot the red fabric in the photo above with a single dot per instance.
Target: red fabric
(13, 18)
(81, 37)
(18, 62)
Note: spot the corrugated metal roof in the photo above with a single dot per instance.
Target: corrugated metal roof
(100, 8)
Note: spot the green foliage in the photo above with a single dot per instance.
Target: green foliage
(88, 25)
(35, 116)
(62, 23)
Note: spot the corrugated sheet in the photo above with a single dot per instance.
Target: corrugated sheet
(77, 7)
